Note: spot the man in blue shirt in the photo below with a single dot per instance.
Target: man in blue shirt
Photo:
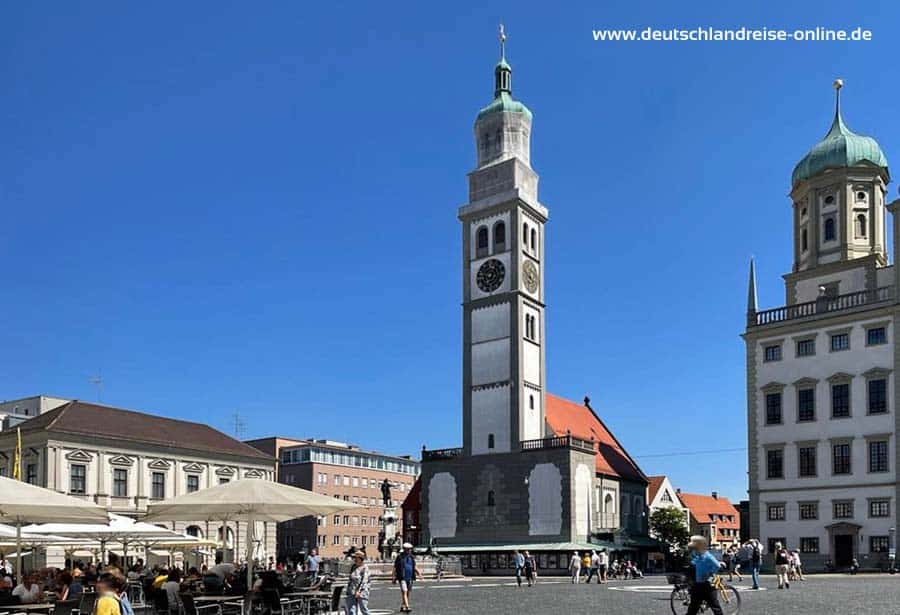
(405, 572)
(705, 566)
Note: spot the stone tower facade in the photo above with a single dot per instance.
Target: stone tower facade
(503, 290)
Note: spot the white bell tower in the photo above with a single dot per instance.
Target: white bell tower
(503, 280)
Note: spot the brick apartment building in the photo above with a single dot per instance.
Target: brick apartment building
(346, 472)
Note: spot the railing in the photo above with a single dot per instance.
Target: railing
(606, 521)
(567, 441)
(822, 305)
(441, 453)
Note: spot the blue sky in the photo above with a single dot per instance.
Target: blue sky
(251, 207)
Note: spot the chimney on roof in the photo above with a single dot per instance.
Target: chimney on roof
(678, 490)
(715, 495)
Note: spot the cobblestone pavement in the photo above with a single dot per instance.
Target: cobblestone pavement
(819, 595)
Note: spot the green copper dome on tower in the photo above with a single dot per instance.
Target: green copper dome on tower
(503, 100)
(840, 148)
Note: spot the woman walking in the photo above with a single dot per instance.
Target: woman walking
(530, 569)
(782, 566)
(358, 585)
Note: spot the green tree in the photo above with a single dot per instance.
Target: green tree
(670, 526)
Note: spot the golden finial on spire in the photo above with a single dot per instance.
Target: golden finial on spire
(502, 37)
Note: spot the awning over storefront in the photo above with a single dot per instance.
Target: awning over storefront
(536, 547)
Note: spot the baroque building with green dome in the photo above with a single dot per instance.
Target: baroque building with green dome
(822, 388)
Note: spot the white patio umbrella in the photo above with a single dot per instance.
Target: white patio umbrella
(22, 503)
(250, 500)
(118, 529)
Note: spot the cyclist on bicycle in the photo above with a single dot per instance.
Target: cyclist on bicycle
(705, 567)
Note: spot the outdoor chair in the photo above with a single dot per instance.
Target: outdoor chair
(160, 602)
(86, 603)
(326, 605)
(67, 607)
(192, 608)
(135, 593)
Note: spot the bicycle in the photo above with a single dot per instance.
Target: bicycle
(680, 600)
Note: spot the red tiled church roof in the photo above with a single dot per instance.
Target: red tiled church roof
(709, 509)
(564, 416)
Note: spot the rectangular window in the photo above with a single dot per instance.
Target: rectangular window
(809, 511)
(776, 512)
(807, 461)
(223, 480)
(336, 540)
(879, 508)
(806, 405)
(840, 400)
(840, 341)
(806, 348)
(193, 483)
(337, 480)
(775, 464)
(876, 336)
(31, 474)
(809, 544)
(773, 408)
(877, 396)
(878, 456)
(120, 483)
(843, 509)
(77, 474)
(879, 544)
(772, 353)
(840, 460)
(158, 486)
(337, 520)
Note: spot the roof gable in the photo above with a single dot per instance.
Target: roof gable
(709, 509)
(563, 415)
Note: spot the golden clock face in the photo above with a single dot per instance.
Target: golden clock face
(490, 275)
(530, 276)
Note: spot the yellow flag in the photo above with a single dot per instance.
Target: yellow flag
(17, 459)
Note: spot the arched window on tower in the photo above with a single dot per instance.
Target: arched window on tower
(490, 440)
(531, 402)
(829, 234)
(491, 501)
(804, 241)
(861, 225)
(499, 237)
(533, 240)
(481, 242)
(525, 235)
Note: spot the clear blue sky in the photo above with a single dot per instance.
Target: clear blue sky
(251, 207)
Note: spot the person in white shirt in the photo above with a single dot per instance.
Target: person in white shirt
(28, 591)
(575, 567)
(604, 565)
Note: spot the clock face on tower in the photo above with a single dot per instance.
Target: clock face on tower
(490, 275)
(530, 276)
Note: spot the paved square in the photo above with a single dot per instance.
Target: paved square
(823, 594)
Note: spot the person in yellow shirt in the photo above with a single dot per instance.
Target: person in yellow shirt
(109, 586)
(160, 578)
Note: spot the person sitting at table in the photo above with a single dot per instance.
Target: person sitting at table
(28, 591)
(64, 582)
(109, 586)
(6, 595)
(172, 587)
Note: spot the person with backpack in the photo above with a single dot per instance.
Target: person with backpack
(405, 572)
(755, 553)
(530, 569)
(519, 563)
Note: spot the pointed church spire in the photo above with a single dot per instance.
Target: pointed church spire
(838, 127)
(752, 304)
(503, 71)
